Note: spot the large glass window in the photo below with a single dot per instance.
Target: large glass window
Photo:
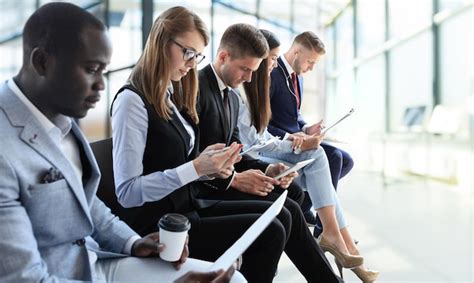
(223, 18)
(125, 32)
(370, 25)
(304, 18)
(343, 101)
(369, 101)
(14, 15)
(407, 16)
(248, 6)
(411, 83)
(11, 57)
(330, 57)
(344, 39)
(457, 61)
(453, 4)
(278, 11)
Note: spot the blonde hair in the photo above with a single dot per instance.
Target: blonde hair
(311, 41)
(152, 72)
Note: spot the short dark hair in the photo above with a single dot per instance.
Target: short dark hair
(243, 40)
(311, 41)
(271, 38)
(57, 27)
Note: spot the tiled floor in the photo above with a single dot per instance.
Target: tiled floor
(411, 231)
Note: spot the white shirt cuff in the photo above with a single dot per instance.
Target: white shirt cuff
(127, 249)
(286, 136)
(231, 180)
(187, 173)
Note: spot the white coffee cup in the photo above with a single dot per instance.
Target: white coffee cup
(173, 229)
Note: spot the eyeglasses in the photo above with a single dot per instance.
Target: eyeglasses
(189, 54)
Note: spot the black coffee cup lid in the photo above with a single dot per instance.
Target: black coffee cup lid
(174, 222)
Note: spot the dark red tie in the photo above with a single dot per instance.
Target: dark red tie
(295, 87)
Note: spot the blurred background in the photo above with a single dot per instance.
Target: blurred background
(405, 66)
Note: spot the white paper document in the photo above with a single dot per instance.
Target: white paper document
(338, 121)
(294, 168)
(239, 247)
(259, 146)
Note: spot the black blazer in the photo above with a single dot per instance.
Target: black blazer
(213, 126)
(286, 117)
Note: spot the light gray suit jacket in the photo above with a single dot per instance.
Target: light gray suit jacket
(40, 223)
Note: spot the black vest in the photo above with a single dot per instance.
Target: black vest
(166, 147)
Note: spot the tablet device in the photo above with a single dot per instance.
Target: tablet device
(230, 256)
(338, 121)
(294, 168)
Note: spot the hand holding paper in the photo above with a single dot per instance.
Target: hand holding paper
(324, 130)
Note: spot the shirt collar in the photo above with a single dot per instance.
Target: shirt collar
(287, 65)
(220, 83)
(61, 123)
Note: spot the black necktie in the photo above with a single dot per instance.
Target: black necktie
(226, 105)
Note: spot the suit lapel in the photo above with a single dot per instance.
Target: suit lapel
(288, 81)
(38, 139)
(91, 182)
(216, 95)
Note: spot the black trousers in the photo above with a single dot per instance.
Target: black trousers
(300, 246)
(222, 224)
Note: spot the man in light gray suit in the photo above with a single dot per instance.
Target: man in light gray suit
(53, 227)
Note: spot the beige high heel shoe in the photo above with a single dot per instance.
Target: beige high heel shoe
(366, 275)
(346, 260)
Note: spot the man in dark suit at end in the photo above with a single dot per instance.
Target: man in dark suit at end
(286, 95)
(240, 52)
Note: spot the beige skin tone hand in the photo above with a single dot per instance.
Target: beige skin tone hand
(203, 277)
(149, 246)
(254, 182)
(306, 142)
(276, 169)
(312, 142)
(315, 128)
(214, 162)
